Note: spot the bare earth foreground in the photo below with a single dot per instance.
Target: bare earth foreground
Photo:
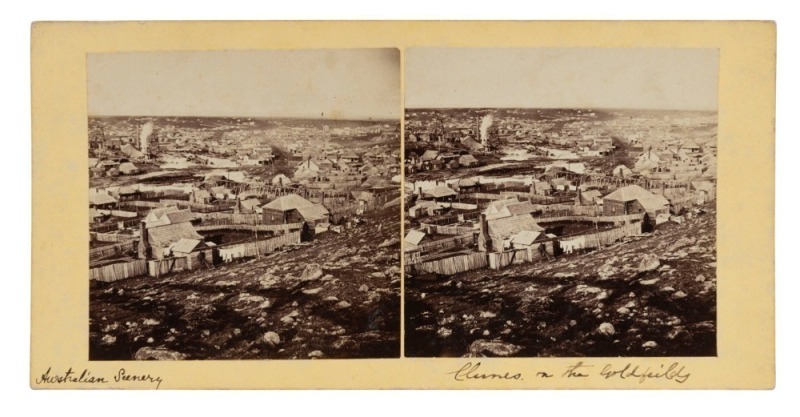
(336, 297)
(652, 295)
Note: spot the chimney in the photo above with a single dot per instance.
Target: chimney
(484, 242)
(578, 197)
(144, 245)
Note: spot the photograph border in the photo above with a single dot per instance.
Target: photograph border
(746, 201)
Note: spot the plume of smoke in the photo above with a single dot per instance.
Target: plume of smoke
(486, 123)
(144, 136)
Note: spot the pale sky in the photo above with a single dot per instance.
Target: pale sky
(674, 79)
(342, 83)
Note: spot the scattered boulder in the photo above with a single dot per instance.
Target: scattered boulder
(649, 344)
(482, 347)
(316, 354)
(606, 329)
(345, 344)
(389, 242)
(108, 339)
(648, 281)
(648, 262)
(312, 271)
(444, 332)
(678, 295)
(158, 354)
(342, 305)
(312, 291)
(607, 271)
(271, 339)
(363, 288)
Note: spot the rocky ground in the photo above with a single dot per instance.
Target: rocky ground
(336, 297)
(652, 295)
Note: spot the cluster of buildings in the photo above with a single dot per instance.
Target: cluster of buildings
(174, 200)
(586, 176)
(680, 146)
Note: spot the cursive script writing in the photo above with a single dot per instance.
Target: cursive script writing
(86, 377)
(123, 375)
(470, 372)
(576, 371)
(674, 372)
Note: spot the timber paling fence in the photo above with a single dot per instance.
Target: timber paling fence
(117, 248)
(160, 267)
(415, 261)
(118, 271)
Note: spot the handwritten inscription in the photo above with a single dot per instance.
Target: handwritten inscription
(123, 375)
(471, 371)
(85, 376)
(576, 371)
(674, 372)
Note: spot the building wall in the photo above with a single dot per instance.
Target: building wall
(273, 216)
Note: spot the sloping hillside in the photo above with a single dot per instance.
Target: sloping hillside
(337, 297)
(652, 295)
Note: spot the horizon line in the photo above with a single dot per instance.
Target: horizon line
(560, 108)
(251, 117)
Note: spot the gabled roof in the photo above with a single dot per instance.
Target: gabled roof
(466, 159)
(101, 198)
(468, 182)
(634, 192)
(429, 155)
(180, 216)
(171, 233)
(127, 166)
(525, 237)
(281, 179)
(507, 226)
(498, 205)
(591, 194)
(127, 189)
(314, 212)
(470, 143)
(186, 245)
(414, 237)
(703, 185)
(440, 191)
(132, 152)
(524, 207)
(250, 203)
(287, 202)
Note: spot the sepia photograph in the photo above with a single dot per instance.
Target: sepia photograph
(244, 204)
(560, 202)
